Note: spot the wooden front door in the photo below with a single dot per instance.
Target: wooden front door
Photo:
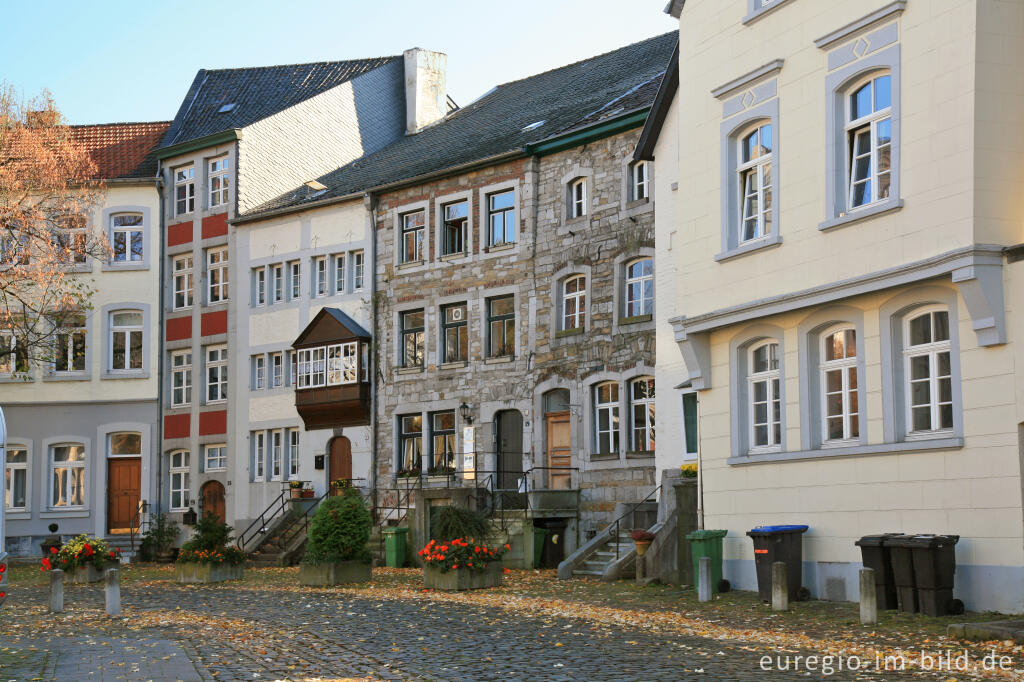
(339, 460)
(213, 500)
(559, 447)
(124, 487)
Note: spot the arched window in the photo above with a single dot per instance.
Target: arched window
(640, 287)
(763, 380)
(606, 418)
(839, 386)
(755, 181)
(574, 302)
(641, 412)
(578, 198)
(928, 373)
(869, 140)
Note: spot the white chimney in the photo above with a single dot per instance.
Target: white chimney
(426, 91)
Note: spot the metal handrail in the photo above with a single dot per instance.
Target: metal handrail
(624, 515)
(136, 524)
(289, 532)
(260, 523)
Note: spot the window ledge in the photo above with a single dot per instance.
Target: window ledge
(576, 220)
(126, 267)
(77, 513)
(18, 514)
(761, 11)
(568, 332)
(860, 214)
(920, 445)
(499, 360)
(409, 370)
(8, 379)
(749, 247)
(458, 364)
(640, 454)
(69, 376)
(635, 319)
(452, 257)
(411, 264)
(596, 457)
(124, 375)
(637, 202)
(501, 247)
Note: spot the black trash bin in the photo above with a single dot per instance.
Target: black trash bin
(877, 555)
(902, 558)
(778, 543)
(934, 566)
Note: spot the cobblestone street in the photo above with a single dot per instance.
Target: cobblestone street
(277, 631)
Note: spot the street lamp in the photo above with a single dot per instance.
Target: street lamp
(466, 413)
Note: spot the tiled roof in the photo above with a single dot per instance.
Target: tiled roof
(501, 121)
(256, 93)
(122, 150)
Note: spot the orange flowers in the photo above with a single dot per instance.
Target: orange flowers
(459, 553)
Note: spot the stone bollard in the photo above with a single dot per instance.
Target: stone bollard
(641, 569)
(780, 587)
(704, 579)
(113, 592)
(868, 601)
(56, 591)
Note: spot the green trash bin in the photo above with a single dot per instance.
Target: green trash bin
(707, 543)
(394, 546)
(538, 544)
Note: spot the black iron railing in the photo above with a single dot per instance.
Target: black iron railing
(262, 523)
(629, 512)
(135, 525)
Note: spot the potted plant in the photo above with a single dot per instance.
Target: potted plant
(160, 538)
(82, 559)
(296, 487)
(642, 539)
(308, 492)
(461, 564)
(336, 551)
(51, 540)
(688, 470)
(207, 557)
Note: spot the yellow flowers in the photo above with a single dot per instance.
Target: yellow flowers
(689, 470)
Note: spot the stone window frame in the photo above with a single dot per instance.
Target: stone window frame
(174, 184)
(640, 322)
(396, 235)
(107, 216)
(893, 314)
(567, 221)
(50, 374)
(105, 312)
(397, 312)
(809, 331)
(759, 8)
(483, 230)
(47, 445)
(400, 439)
(484, 296)
(189, 272)
(838, 86)
(739, 401)
(557, 284)
(627, 202)
(630, 414)
(439, 203)
(588, 416)
(20, 513)
(440, 307)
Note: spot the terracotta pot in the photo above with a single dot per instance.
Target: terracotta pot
(641, 546)
(296, 493)
(307, 492)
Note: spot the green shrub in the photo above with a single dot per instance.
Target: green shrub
(161, 534)
(339, 531)
(210, 533)
(455, 522)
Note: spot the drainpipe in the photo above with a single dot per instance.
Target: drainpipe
(370, 202)
(158, 506)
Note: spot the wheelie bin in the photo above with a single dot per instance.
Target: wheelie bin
(778, 543)
(934, 559)
(877, 555)
(394, 546)
(707, 543)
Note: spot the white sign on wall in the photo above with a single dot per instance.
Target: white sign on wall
(468, 453)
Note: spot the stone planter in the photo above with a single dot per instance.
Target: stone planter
(337, 573)
(84, 574)
(462, 578)
(188, 573)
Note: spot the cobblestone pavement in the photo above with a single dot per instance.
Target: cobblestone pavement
(172, 632)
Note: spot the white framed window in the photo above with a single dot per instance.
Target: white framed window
(578, 198)
(755, 181)
(640, 287)
(277, 282)
(606, 418)
(124, 444)
(13, 357)
(342, 363)
(357, 270)
(183, 281)
(276, 370)
(67, 475)
(320, 275)
(184, 190)
(442, 442)
(71, 238)
(125, 341)
(412, 236)
(638, 181)
(216, 457)
(928, 373)
(764, 390)
(456, 219)
(16, 478)
(259, 372)
(364, 362)
(840, 404)
(410, 454)
(293, 454)
(259, 286)
(126, 238)
(869, 140)
(259, 455)
(295, 279)
(276, 454)
(216, 374)
(293, 368)
(574, 302)
(641, 408)
(220, 181)
(339, 273)
(181, 378)
(179, 480)
(501, 327)
(501, 217)
(69, 345)
(217, 274)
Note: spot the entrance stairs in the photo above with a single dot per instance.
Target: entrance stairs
(599, 560)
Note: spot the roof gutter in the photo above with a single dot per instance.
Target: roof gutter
(199, 143)
(583, 136)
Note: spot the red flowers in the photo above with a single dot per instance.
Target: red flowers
(459, 553)
(53, 550)
(46, 564)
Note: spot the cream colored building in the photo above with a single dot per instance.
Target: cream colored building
(838, 266)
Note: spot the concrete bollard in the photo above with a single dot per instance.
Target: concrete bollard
(868, 601)
(780, 587)
(704, 579)
(56, 591)
(113, 592)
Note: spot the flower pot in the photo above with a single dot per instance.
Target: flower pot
(641, 546)
(338, 573)
(307, 492)
(189, 573)
(462, 578)
(84, 574)
(296, 493)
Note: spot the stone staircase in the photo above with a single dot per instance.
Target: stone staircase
(123, 542)
(599, 560)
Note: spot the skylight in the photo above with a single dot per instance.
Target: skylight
(313, 184)
(534, 125)
(225, 108)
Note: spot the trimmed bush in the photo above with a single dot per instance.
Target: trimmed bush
(209, 534)
(339, 531)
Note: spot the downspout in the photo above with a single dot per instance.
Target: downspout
(160, 346)
(370, 202)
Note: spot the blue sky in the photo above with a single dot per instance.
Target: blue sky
(134, 61)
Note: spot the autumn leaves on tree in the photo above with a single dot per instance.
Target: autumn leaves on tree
(47, 191)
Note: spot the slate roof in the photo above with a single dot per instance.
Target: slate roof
(257, 92)
(659, 110)
(122, 150)
(563, 98)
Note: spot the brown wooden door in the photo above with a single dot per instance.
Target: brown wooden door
(213, 500)
(124, 486)
(339, 461)
(559, 446)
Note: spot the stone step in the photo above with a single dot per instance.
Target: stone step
(583, 572)
(598, 566)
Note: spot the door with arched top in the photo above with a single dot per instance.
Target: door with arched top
(339, 459)
(212, 497)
